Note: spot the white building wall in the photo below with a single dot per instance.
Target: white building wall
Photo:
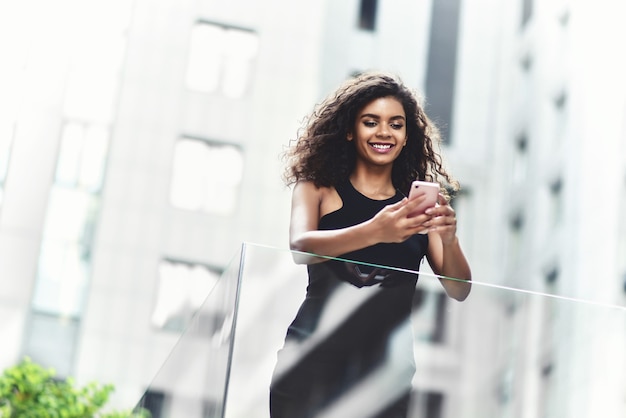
(138, 225)
(570, 47)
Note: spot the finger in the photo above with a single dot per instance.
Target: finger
(398, 205)
(418, 198)
(447, 223)
(419, 220)
(442, 210)
(412, 204)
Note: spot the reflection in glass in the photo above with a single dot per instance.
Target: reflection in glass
(182, 289)
(429, 315)
(427, 404)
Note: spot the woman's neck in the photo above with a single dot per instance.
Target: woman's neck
(373, 184)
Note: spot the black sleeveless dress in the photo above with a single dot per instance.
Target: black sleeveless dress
(345, 328)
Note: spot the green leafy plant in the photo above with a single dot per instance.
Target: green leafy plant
(29, 390)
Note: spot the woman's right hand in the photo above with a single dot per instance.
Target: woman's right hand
(393, 224)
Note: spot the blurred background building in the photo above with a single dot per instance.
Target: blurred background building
(140, 146)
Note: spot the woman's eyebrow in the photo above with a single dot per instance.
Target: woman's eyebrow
(374, 116)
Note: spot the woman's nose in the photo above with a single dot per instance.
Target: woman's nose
(383, 130)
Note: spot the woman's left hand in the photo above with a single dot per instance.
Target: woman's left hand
(444, 251)
(443, 220)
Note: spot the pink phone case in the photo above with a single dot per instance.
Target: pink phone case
(420, 188)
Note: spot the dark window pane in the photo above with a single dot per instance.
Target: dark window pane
(441, 70)
(527, 11)
(367, 14)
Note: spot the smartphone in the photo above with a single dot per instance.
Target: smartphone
(424, 188)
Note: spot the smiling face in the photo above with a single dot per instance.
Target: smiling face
(379, 131)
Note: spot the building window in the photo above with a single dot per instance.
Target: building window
(82, 156)
(527, 11)
(6, 138)
(64, 264)
(441, 69)
(516, 233)
(551, 276)
(560, 121)
(51, 340)
(367, 15)
(526, 63)
(621, 240)
(564, 17)
(550, 310)
(65, 258)
(220, 59)
(504, 389)
(520, 159)
(206, 175)
(556, 201)
(560, 100)
(546, 372)
(182, 289)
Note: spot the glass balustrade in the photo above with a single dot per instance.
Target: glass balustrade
(502, 352)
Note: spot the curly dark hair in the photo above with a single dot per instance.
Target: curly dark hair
(322, 154)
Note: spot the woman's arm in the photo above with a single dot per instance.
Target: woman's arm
(389, 225)
(445, 255)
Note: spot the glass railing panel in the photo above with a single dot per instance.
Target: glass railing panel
(193, 379)
(502, 352)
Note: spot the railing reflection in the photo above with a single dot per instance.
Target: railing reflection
(502, 352)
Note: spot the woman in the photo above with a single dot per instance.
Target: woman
(352, 167)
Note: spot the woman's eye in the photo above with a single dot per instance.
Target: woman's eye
(397, 126)
(369, 123)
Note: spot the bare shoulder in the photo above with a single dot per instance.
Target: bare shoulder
(330, 201)
(326, 198)
(307, 190)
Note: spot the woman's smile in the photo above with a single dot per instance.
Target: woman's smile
(382, 148)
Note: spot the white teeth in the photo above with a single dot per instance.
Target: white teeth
(381, 146)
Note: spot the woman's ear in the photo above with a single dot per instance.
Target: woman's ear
(349, 136)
